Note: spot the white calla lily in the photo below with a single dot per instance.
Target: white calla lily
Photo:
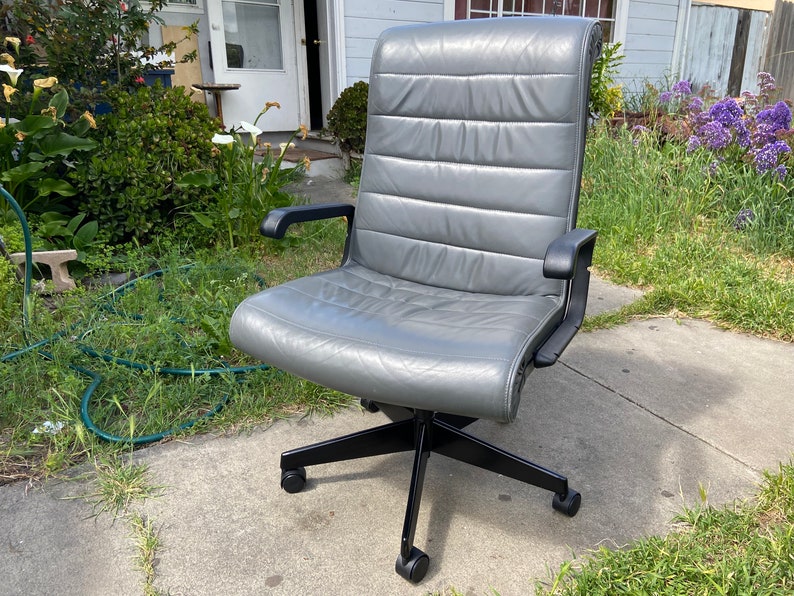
(13, 73)
(254, 131)
(220, 139)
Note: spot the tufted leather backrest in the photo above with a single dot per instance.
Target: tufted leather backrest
(473, 159)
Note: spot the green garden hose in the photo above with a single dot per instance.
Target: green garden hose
(96, 379)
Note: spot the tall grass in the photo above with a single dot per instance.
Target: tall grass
(666, 226)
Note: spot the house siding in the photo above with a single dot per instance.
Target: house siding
(365, 20)
(650, 43)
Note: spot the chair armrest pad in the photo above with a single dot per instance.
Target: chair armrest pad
(278, 220)
(569, 258)
(562, 256)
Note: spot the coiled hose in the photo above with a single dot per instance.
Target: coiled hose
(96, 379)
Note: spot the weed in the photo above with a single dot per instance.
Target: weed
(147, 541)
(119, 484)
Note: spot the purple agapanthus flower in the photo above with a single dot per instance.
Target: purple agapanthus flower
(763, 134)
(742, 134)
(695, 105)
(715, 135)
(766, 82)
(767, 156)
(727, 112)
(781, 172)
(743, 219)
(666, 97)
(778, 117)
(682, 88)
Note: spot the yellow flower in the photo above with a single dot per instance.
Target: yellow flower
(272, 104)
(15, 43)
(20, 136)
(2, 122)
(90, 117)
(267, 145)
(7, 58)
(8, 91)
(307, 163)
(45, 83)
(265, 172)
(304, 132)
(52, 112)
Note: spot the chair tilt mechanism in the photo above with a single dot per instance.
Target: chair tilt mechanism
(463, 269)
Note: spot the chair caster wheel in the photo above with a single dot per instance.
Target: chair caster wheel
(414, 567)
(294, 480)
(568, 503)
(369, 405)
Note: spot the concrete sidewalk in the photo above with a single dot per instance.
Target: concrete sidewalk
(638, 417)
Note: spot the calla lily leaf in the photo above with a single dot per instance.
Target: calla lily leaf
(61, 187)
(63, 144)
(198, 179)
(60, 101)
(22, 173)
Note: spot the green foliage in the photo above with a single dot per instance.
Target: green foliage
(35, 150)
(347, 118)
(90, 41)
(151, 137)
(606, 98)
(666, 226)
(744, 549)
(245, 183)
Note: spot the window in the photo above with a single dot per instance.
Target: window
(253, 34)
(604, 10)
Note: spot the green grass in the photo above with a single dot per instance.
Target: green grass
(177, 320)
(667, 228)
(746, 548)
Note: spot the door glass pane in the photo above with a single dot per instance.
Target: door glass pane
(253, 34)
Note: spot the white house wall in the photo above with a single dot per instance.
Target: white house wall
(365, 20)
(650, 43)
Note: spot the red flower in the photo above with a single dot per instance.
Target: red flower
(123, 6)
(29, 40)
(139, 80)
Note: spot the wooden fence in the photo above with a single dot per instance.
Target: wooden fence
(779, 60)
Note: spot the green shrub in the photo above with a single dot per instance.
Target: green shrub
(347, 119)
(606, 98)
(151, 137)
(244, 183)
(90, 42)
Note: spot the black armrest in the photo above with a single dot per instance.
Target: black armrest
(562, 256)
(568, 257)
(277, 221)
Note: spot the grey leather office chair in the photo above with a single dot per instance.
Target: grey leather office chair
(463, 268)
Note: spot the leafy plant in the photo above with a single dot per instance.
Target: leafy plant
(746, 142)
(59, 231)
(606, 98)
(347, 118)
(34, 151)
(149, 139)
(89, 42)
(244, 187)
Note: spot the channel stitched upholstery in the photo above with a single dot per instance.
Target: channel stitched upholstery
(472, 166)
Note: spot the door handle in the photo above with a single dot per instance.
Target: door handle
(319, 41)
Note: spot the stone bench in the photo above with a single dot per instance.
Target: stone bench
(56, 260)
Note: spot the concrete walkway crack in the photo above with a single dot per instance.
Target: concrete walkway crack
(662, 418)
